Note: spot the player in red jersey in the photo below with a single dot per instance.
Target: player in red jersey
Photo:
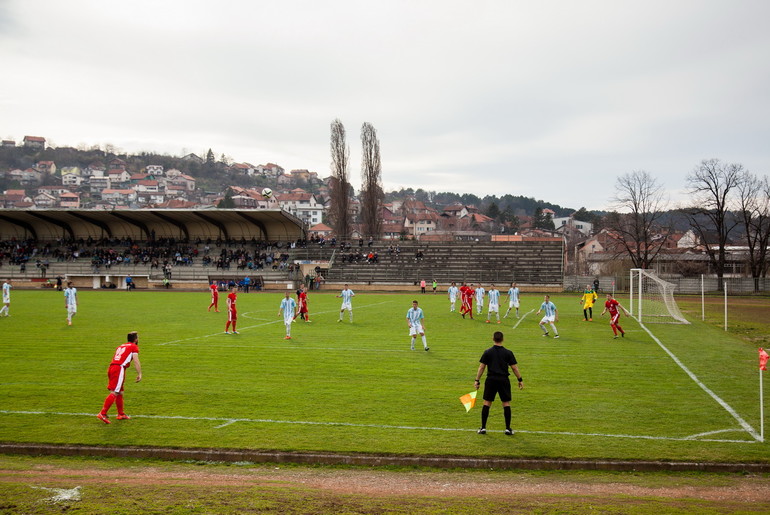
(612, 306)
(302, 311)
(116, 375)
(232, 312)
(467, 300)
(214, 296)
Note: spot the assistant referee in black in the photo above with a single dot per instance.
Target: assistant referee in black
(497, 359)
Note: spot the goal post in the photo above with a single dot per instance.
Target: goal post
(652, 298)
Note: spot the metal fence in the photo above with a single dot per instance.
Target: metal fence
(683, 285)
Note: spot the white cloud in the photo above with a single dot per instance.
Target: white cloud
(551, 99)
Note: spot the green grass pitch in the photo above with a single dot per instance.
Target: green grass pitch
(342, 387)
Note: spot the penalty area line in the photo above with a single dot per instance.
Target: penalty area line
(226, 421)
(745, 425)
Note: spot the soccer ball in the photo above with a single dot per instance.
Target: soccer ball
(267, 193)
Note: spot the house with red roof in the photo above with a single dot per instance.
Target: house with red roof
(35, 142)
(69, 200)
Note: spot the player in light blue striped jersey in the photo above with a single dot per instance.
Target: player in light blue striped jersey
(494, 303)
(347, 302)
(414, 318)
(453, 291)
(551, 316)
(480, 291)
(513, 300)
(288, 309)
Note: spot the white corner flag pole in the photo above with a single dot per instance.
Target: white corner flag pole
(702, 300)
(724, 286)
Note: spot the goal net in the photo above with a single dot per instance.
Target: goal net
(652, 299)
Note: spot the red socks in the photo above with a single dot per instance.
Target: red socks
(108, 402)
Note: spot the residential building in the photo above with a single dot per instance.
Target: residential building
(28, 177)
(417, 224)
(15, 198)
(185, 181)
(44, 200)
(52, 190)
(97, 184)
(46, 167)
(271, 170)
(69, 200)
(71, 179)
(244, 168)
(118, 163)
(321, 230)
(119, 177)
(193, 157)
(120, 196)
(147, 186)
(175, 191)
(563, 222)
(35, 142)
(94, 170)
(303, 205)
(70, 169)
(150, 197)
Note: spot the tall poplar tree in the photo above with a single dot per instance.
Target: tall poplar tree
(371, 183)
(339, 214)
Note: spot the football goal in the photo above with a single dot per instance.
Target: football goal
(652, 299)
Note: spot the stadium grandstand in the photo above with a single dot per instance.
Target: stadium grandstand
(188, 249)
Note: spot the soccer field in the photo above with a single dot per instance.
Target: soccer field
(668, 392)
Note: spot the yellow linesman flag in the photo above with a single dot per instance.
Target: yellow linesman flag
(469, 400)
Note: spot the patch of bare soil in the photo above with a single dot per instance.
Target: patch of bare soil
(743, 489)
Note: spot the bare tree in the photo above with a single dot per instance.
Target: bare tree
(339, 214)
(712, 186)
(638, 227)
(371, 191)
(754, 211)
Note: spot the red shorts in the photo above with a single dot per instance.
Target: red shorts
(116, 376)
(232, 316)
(614, 319)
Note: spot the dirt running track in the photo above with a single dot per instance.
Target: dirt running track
(746, 489)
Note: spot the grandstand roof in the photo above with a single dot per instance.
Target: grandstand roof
(141, 224)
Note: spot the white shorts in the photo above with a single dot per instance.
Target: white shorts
(71, 310)
(416, 329)
(493, 307)
(548, 319)
(346, 305)
(513, 304)
(6, 300)
(453, 298)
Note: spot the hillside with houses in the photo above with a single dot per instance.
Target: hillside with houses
(36, 176)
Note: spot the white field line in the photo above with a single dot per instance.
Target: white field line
(228, 421)
(745, 425)
(276, 321)
(522, 318)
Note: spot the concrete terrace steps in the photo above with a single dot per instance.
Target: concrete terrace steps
(527, 262)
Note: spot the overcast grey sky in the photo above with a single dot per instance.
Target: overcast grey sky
(548, 99)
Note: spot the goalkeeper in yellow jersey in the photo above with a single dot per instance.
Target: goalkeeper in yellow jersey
(588, 299)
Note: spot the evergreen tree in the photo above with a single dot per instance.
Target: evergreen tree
(227, 202)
